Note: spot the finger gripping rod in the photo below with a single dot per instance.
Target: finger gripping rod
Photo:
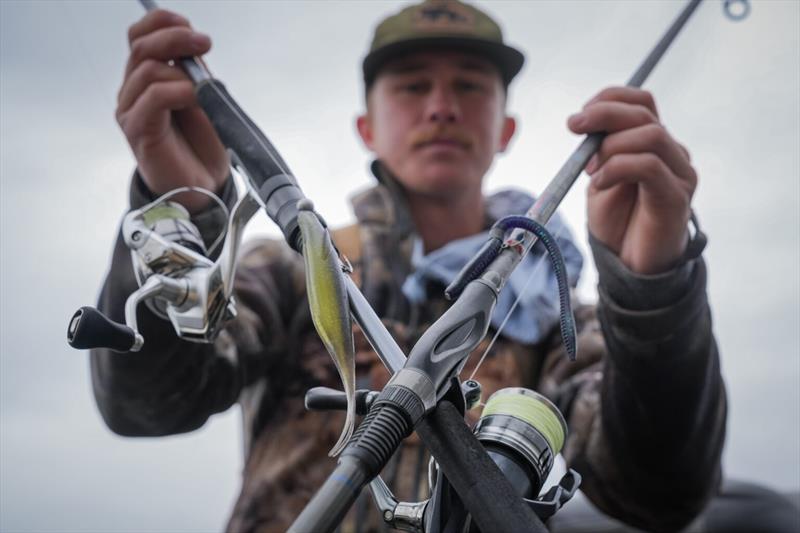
(542, 210)
(269, 173)
(555, 191)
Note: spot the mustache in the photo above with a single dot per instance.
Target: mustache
(441, 133)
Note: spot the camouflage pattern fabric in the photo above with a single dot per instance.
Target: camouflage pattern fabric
(645, 403)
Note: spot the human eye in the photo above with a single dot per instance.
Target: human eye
(470, 86)
(413, 86)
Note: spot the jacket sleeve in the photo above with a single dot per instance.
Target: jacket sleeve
(171, 385)
(646, 413)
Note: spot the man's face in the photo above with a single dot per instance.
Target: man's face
(436, 120)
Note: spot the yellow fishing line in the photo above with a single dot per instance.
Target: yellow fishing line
(164, 211)
(531, 410)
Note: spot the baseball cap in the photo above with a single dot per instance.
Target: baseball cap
(441, 24)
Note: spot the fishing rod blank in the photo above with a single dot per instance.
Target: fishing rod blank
(191, 65)
(555, 191)
(542, 210)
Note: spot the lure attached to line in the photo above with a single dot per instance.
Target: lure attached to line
(329, 304)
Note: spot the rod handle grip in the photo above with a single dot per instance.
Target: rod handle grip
(269, 173)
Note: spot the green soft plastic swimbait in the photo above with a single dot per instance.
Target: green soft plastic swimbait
(327, 298)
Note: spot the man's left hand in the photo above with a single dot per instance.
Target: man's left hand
(642, 181)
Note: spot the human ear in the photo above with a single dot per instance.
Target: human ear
(364, 126)
(507, 133)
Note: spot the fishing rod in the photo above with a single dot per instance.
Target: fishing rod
(476, 478)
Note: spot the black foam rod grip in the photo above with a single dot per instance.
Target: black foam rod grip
(269, 172)
(485, 492)
(89, 328)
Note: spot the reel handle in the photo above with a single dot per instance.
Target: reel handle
(89, 328)
(328, 399)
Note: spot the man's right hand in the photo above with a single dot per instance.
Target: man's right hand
(170, 135)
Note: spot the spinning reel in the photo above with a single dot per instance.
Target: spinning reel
(521, 430)
(177, 279)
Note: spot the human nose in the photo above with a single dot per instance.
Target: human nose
(443, 106)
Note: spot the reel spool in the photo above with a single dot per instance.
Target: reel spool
(172, 222)
(523, 432)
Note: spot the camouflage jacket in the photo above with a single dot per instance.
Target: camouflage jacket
(645, 402)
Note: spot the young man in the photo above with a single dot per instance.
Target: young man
(644, 402)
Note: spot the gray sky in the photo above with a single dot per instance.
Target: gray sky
(728, 91)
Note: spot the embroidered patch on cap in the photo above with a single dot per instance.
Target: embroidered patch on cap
(443, 16)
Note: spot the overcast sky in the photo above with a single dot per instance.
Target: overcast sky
(729, 91)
